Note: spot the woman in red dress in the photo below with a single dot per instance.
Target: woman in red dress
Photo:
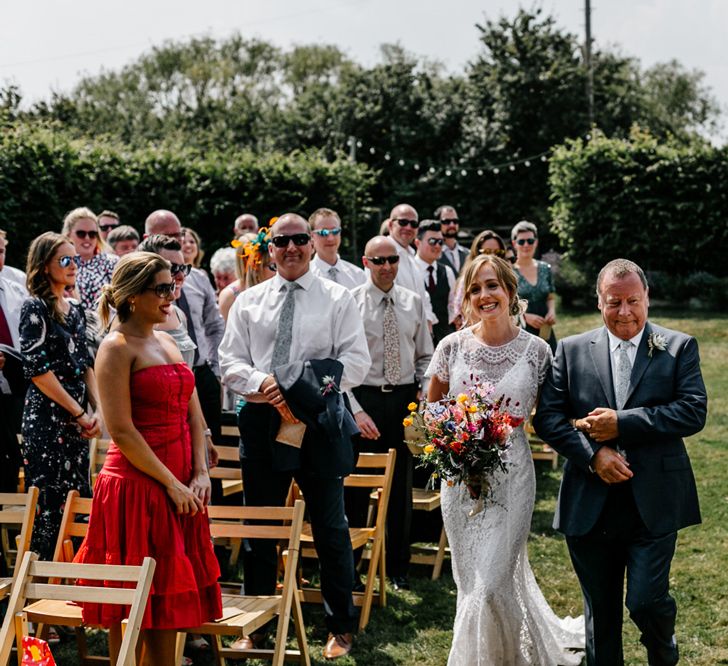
(150, 496)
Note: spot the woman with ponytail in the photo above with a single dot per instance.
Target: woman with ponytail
(151, 495)
(57, 424)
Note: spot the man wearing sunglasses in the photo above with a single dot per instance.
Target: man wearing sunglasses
(453, 254)
(401, 348)
(326, 229)
(403, 223)
(295, 316)
(205, 325)
(438, 278)
(12, 296)
(108, 221)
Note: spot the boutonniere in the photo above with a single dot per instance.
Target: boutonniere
(656, 341)
(328, 385)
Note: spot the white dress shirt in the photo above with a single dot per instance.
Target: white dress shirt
(15, 275)
(326, 324)
(205, 316)
(415, 341)
(423, 267)
(614, 342)
(347, 274)
(12, 296)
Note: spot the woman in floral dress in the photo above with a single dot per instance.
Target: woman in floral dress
(56, 425)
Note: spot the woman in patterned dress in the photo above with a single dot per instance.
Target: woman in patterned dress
(56, 425)
(96, 267)
(535, 283)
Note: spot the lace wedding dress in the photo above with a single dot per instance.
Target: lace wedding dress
(502, 618)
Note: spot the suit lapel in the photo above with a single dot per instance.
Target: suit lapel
(641, 361)
(599, 349)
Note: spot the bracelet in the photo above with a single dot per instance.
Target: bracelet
(79, 415)
(207, 433)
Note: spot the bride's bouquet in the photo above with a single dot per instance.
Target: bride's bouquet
(465, 437)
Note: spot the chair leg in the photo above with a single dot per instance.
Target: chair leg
(300, 628)
(383, 574)
(216, 645)
(179, 648)
(374, 562)
(440, 557)
(21, 629)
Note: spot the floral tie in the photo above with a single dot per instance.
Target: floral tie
(392, 368)
(333, 272)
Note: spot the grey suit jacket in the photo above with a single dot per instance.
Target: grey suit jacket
(666, 402)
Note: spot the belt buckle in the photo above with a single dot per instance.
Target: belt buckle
(387, 388)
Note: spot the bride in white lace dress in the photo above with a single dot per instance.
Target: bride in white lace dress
(502, 618)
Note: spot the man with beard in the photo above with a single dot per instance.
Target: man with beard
(453, 254)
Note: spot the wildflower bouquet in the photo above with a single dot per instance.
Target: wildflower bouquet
(466, 436)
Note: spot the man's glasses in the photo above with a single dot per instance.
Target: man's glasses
(380, 261)
(184, 269)
(67, 260)
(298, 240)
(452, 220)
(163, 290)
(82, 234)
(435, 241)
(403, 222)
(523, 241)
(490, 250)
(328, 232)
(107, 227)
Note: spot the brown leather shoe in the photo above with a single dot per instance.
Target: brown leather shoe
(338, 645)
(255, 641)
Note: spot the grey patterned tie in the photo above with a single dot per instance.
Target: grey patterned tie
(392, 367)
(333, 272)
(624, 370)
(284, 334)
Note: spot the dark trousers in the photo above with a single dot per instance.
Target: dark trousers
(11, 410)
(209, 391)
(325, 504)
(387, 411)
(621, 543)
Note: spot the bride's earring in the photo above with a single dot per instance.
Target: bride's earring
(131, 306)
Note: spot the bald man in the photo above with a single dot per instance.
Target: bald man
(245, 223)
(296, 316)
(400, 347)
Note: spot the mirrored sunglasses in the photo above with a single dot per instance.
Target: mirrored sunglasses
(67, 259)
(283, 240)
(380, 261)
(435, 241)
(328, 232)
(490, 250)
(184, 269)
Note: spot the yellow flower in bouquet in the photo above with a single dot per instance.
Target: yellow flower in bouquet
(407, 422)
(412, 406)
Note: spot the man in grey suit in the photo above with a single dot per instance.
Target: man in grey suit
(617, 402)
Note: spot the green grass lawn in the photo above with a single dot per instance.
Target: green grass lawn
(415, 628)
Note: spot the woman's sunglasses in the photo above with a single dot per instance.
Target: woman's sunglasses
(184, 269)
(380, 261)
(328, 232)
(523, 241)
(298, 240)
(163, 290)
(82, 234)
(67, 260)
(490, 250)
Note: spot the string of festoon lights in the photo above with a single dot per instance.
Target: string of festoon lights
(462, 168)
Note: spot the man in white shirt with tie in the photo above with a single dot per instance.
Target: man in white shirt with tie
(453, 254)
(403, 223)
(326, 228)
(294, 316)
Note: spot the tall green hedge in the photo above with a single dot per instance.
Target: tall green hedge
(43, 174)
(661, 205)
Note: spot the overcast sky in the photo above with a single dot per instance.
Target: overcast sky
(47, 44)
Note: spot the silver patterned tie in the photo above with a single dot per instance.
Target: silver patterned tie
(624, 370)
(333, 272)
(392, 367)
(284, 333)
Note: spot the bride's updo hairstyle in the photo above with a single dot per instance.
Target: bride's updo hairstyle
(503, 273)
(133, 273)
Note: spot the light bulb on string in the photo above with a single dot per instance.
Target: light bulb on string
(416, 167)
(512, 167)
(464, 172)
(448, 172)
(480, 172)
(387, 157)
(496, 171)
(372, 150)
(401, 162)
(543, 158)
(527, 163)
(358, 144)
(432, 169)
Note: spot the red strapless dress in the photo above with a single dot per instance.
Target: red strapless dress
(132, 516)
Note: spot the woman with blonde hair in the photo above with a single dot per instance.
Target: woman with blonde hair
(82, 227)
(192, 247)
(501, 616)
(150, 496)
(56, 423)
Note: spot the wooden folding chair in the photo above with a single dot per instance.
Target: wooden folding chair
(97, 453)
(540, 450)
(380, 482)
(228, 470)
(15, 624)
(17, 512)
(243, 615)
(429, 500)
